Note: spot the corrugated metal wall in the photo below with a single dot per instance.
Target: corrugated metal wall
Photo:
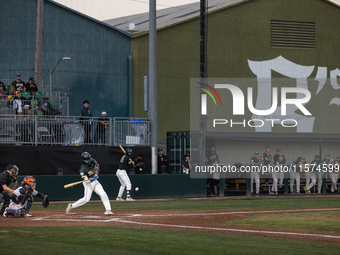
(98, 69)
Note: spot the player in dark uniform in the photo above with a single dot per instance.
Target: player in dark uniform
(327, 163)
(311, 173)
(256, 162)
(139, 165)
(267, 161)
(334, 174)
(6, 178)
(123, 167)
(89, 171)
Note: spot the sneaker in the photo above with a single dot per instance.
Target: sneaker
(108, 212)
(69, 208)
(28, 215)
(119, 199)
(129, 199)
(276, 193)
(257, 194)
(5, 213)
(306, 190)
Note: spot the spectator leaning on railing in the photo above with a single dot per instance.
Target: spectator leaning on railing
(86, 116)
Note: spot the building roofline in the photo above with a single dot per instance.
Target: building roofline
(90, 18)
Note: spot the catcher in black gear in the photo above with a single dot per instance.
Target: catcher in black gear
(22, 199)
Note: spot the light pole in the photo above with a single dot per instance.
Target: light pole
(51, 71)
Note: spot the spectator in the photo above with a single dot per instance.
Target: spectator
(31, 86)
(85, 118)
(18, 84)
(11, 96)
(2, 85)
(45, 106)
(103, 123)
(3, 93)
(186, 164)
(17, 103)
(162, 162)
(35, 103)
(139, 164)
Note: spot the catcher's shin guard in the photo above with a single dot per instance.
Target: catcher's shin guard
(16, 213)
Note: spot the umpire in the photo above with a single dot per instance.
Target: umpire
(6, 178)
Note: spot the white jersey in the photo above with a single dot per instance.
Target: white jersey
(19, 194)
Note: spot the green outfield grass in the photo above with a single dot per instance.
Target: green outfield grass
(211, 204)
(125, 240)
(315, 221)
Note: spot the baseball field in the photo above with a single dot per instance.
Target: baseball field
(233, 225)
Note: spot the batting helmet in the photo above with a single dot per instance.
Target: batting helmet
(86, 157)
(30, 181)
(128, 150)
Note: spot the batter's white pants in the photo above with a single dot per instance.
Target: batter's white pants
(124, 181)
(310, 180)
(256, 176)
(334, 178)
(89, 187)
(294, 176)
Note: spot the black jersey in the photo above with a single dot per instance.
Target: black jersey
(267, 159)
(5, 179)
(88, 169)
(124, 163)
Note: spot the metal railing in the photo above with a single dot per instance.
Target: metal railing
(23, 129)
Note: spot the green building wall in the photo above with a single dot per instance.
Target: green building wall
(235, 35)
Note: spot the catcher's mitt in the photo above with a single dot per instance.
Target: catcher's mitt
(45, 201)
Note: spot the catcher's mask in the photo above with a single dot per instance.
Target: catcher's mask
(14, 169)
(29, 180)
(86, 157)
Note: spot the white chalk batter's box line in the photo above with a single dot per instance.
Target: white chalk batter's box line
(92, 218)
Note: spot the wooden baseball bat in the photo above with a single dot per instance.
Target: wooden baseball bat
(121, 147)
(74, 183)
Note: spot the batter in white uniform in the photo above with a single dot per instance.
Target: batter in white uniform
(123, 178)
(89, 171)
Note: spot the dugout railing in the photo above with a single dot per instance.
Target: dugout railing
(20, 129)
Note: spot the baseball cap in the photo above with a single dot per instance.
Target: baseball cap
(31, 79)
(186, 155)
(303, 158)
(317, 156)
(328, 155)
(257, 153)
(103, 113)
(278, 149)
(18, 75)
(17, 92)
(160, 149)
(338, 156)
(281, 155)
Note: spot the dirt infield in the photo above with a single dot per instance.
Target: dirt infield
(202, 221)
